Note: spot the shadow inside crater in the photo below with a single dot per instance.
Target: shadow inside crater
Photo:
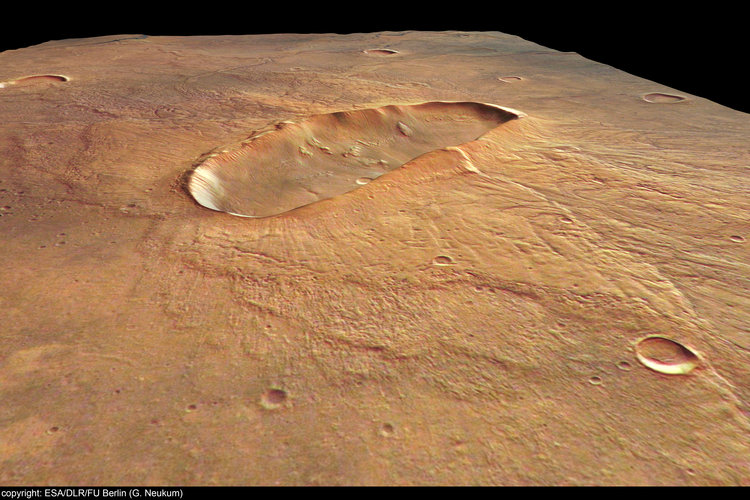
(293, 164)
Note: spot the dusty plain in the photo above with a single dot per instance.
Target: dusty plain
(563, 301)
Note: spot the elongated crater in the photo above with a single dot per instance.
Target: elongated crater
(34, 80)
(666, 356)
(292, 164)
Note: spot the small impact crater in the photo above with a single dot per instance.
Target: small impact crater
(661, 98)
(273, 398)
(387, 429)
(624, 366)
(666, 356)
(380, 52)
(34, 80)
(292, 164)
(442, 260)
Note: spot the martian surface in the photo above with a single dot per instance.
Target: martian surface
(398, 258)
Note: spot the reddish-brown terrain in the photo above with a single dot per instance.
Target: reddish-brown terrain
(463, 258)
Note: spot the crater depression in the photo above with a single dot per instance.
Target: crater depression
(293, 164)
